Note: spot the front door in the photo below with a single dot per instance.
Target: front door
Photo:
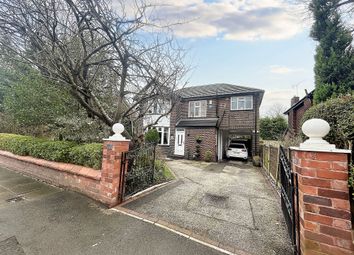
(179, 142)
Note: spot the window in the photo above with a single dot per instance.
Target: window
(158, 107)
(164, 133)
(242, 103)
(197, 108)
(237, 146)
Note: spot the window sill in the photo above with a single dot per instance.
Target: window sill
(247, 110)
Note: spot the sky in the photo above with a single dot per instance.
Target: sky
(256, 43)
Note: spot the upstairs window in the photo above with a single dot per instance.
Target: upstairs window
(242, 103)
(197, 109)
(158, 107)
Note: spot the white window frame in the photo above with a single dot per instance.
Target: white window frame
(238, 100)
(164, 130)
(197, 104)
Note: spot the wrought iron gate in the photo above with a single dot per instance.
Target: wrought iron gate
(289, 198)
(137, 170)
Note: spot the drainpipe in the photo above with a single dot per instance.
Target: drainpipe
(255, 128)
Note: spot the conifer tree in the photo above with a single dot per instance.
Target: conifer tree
(334, 59)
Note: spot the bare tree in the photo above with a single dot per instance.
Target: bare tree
(276, 110)
(110, 60)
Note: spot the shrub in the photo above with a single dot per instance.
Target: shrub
(162, 172)
(152, 136)
(338, 112)
(351, 180)
(199, 138)
(89, 155)
(272, 128)
(256, 160)
(51, 150)
(208, 156)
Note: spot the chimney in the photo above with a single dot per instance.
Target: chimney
(294, 100)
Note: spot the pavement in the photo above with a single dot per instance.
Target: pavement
(36, 218)
(230, 203)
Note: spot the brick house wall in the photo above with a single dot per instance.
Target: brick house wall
(208, 142)
(296, 112)
(295, 116)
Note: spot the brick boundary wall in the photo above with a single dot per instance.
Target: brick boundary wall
(101, 185)
(324, 205)
(82, 179)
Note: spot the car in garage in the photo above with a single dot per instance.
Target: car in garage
(237, 150)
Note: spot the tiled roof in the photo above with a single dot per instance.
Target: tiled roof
(205, 122)
(218, 89)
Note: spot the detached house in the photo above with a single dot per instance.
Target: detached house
(153, 119)
(208, 117)
(296, 112)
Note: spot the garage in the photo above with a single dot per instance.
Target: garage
(226, 137)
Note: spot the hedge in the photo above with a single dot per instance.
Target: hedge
(339, 113)
(89, 155)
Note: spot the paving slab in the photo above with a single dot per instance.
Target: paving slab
(231, 203)
(48, 220)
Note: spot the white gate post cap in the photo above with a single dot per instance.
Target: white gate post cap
(118, 129)
(316, 129)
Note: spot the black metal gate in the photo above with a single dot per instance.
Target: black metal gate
(289, 198)
(137, 170)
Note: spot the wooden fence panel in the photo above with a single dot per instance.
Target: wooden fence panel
(273, 162)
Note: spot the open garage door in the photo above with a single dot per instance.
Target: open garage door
(245, 139)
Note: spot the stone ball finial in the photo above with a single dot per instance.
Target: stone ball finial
(318, 128)
(315, 130)
(117, 129)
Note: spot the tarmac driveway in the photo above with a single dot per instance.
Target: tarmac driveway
(230, 203)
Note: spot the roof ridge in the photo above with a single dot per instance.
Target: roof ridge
(221, 83)
(216, 89)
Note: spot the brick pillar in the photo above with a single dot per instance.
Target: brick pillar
(324, 206)
(110, 172)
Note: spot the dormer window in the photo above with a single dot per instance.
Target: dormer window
(242, 103)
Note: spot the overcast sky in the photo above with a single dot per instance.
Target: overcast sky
(258, 43)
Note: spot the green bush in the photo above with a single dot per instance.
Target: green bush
(152, 136)
(89, 155)
(208, 156)
(272, 128)
(351, 180)
(162, 172)
(339, 113)
(256, 160)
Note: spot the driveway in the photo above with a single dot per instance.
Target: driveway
(231, 203)
(36, 218)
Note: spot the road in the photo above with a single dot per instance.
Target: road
(36, 218)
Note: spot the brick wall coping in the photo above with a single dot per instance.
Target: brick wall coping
(321, 150)
(65, 167)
